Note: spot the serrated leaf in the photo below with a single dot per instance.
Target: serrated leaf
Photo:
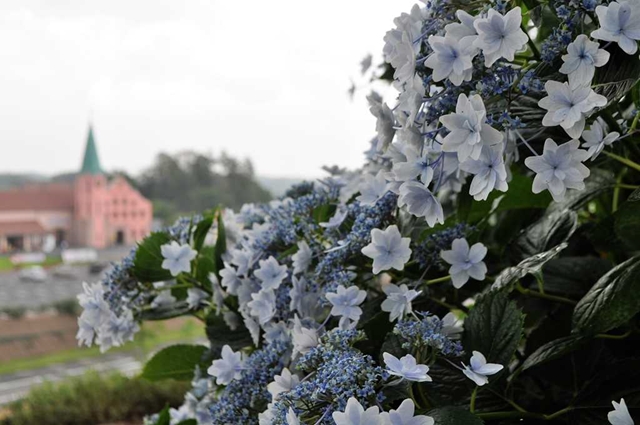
(549, 231)
(147, 264)
(612, 301)
(527, 266)
(574, 275)
(494, 327)
(454, 416)
(553, 350)
(619, 76)
(627, 222)
(219, 334)
(176, 362)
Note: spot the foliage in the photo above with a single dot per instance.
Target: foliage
(93, 399)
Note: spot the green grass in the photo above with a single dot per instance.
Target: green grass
(6, 264)
(145, 341)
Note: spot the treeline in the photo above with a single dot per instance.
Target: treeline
(190, 182)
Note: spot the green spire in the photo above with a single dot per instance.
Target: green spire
(91, 162)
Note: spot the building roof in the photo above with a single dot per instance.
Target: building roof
(40, 197)
(91, 161)
(30, 227)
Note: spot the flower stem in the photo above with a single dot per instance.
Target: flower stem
(472, 404)
(532, 45)
(438, 280)
(623, 160)
(546, 296)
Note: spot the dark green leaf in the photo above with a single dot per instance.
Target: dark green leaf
(200, 234)
(163, 417)
(206, 265)
(549, 231)
(616, 79)
(465, 202)
(627, 222)
(175, 362)
(493, 327)
(527, 266)
(188, 422)
(322, 213)
(220, 334)
(147, 265)
(574, 275)
(612, 301)
(454, 416)
(599, 180)
(553, 350)
(221, 245)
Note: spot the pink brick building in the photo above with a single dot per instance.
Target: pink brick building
(88, 211)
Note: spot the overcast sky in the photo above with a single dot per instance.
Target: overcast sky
(263, 79)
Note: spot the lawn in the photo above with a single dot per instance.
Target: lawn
(149, 338)
(6, 264)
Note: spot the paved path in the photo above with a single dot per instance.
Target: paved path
(17, 293)
(15, 386)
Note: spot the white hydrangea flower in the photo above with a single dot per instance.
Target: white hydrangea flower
(276, 331)
(559, 168)
(465, 261)
(372, 188)
(303, 338)
(411, 96)
(406, 368)
(404, 60)
(263, 305)
(384, 121)
(177, 258)
(282, 383)
(421, 202)
(465, 28)
(500, 36)
(163, 298)
(95, 308)
(243, 259)
(302, 300)
(271, 273)
(228, 367)
(388, 249)
(398, 301)
(354, 414)
(451, 59)
(566, 106)
(620, 414)
(451, 326)
(230, 279)
(596, 140)
(581, 60)
(292, 418)
(302, 257)
(337, 219)
(620, 23)
(405, 415)
(346, 301)
(479, 370)
(416, 164)
(196, 297)
(268, 416)
(468, 128)
(489, 173)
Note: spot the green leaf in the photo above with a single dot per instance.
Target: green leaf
(206, 265)
(627, 222)
(147, 265)
(220, 334)
(612, 301)
(166, 311)
(322, 213)
(188, 422)
(175, 362)
(599, 180)
(527, 266)
(454, 416)
(548, 232)
(163, 417)
(519, 196)
(618, 77)
(494, 327)
(221, 245)
(553, 350)
(574, 275)
(200, 234)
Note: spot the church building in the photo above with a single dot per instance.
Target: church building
(87, 211)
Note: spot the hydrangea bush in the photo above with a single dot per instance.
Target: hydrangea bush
(479, 268)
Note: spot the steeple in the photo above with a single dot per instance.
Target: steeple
(91, 162)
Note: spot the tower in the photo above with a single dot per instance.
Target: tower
(90, 199)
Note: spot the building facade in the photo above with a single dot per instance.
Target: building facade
(88, 211)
